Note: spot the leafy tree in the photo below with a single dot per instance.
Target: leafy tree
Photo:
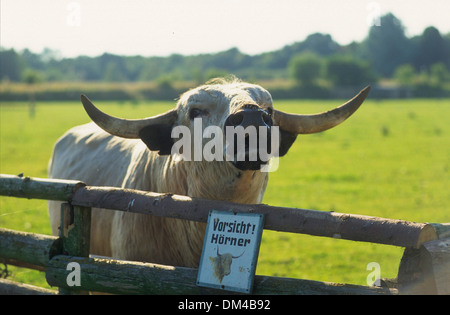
(387, 46)
(320, 44)
(431, 49)
(31, 76)
(439, 73)
(306, 68)
(347, 71)
(405, 74)
(11, 65)
(113, 73)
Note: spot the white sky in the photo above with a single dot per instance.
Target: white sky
(163, 27)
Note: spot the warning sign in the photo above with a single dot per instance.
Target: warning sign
(230, 250)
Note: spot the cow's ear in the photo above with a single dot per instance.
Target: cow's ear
(158, 138)
(286, 141)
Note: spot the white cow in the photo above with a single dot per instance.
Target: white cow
(136, 154)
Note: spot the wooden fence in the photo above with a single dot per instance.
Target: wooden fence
(424, 268)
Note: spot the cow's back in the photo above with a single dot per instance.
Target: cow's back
(88, 154)
(108, 156)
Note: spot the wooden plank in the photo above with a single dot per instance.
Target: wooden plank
(39, 188)
(30, 248)
(126, 277)
(312, 222)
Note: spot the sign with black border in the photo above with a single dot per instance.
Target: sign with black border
(230, 250)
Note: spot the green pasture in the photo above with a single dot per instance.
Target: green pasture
(391, 159)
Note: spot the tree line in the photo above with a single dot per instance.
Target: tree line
(318, 61)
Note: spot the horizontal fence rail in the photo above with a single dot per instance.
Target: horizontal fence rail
(32, 250)
(8, 287)
(318, 223)
(38, 188)
(312, 222)
(424, 257)
(145, 278)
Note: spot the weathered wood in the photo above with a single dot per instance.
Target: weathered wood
(125, 277)
(39, 188)
(8, 287)
(415, 274)
(319, 223)
(75, 232)
(30, 248)
(439, 256)
(426, 270)
(442, 229)
(21, 264)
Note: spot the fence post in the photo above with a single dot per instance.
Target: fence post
(426, 270)
(75, 231)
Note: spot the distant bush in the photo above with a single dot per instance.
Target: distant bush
(432, 83)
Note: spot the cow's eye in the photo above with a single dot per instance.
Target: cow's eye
(195, 112)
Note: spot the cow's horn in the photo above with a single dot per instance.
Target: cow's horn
(125, 128)
(304, 124)
(239, 255)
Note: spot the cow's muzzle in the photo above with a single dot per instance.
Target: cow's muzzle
(250, 122)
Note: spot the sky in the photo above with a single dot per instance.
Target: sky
(164, 27)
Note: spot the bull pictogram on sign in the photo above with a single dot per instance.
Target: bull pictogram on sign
(230, 250)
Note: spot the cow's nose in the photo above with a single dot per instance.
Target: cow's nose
(250, 116)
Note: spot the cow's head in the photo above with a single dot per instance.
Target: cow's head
(224, 104)
(222, 264)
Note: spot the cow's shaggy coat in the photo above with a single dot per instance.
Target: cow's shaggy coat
(98, 158)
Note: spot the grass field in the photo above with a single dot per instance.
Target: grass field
(391, 159)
